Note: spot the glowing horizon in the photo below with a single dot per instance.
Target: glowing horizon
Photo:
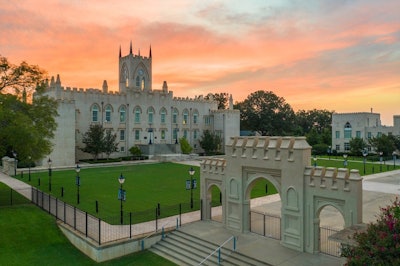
(339, 56)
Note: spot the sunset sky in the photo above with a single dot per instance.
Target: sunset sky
(338, 55)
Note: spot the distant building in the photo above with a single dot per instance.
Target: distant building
(152, 119)
(362, 125)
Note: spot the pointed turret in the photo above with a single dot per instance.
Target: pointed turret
(230, 102)
(105, 86)
(165, 86)
(130, 48)
(150, 52)
(58, 81)
(120, 51)
(139, 52)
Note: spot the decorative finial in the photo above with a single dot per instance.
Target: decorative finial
(130, 48)
(150, 52)
(120, 51)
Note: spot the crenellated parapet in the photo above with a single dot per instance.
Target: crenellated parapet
(330, 178)
(213, 168)
(266, 148)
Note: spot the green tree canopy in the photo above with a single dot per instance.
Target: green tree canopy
(27, 128)
(384, 143)
(98, 140)
(267, 114)
(222, 99)
(20, 79)
(357, 145)
(210, 142)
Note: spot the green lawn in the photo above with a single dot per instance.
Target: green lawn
(356, 163)
(30, 236)
(146, 185)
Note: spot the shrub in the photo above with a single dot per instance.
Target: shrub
(185, 146)
(380, 243)
(135, 151)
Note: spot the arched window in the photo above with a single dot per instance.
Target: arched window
(137, 114)
(163, 115)
(122, 114)
(137, 81)
(185, 117)
(143, 83)
(195, 117)
(347, 131)
(108, 113)
(150, 112)
(175, 116)
(95, 113)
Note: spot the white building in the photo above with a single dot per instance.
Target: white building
(139, 115)
(362, 125)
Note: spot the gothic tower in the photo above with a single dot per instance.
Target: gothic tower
(135, 72)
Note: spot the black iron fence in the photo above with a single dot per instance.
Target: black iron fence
(265, 224)
(102, 232)
(9, 196)
(327, 246)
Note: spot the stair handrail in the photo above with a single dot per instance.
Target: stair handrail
(154, 232)
(219, 248)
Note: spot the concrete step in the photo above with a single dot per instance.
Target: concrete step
(185, 249)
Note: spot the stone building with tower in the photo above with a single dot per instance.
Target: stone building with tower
(140, 115)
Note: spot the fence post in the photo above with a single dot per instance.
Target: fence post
(234, 243)
(159, 209)
(49, 204)
(180, 214)
(42, 200)
(156, 220)
(99, 232)
(11, 196)
(130, 225)
(97, 206)
(176, 223)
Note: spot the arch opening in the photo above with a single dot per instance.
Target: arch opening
(214, 195)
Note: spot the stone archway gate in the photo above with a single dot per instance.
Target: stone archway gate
(304, 190)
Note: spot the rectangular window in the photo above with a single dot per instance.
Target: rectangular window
(122, 134)
(369, 135)
(150, 118)
(185, 134)
(162, 118)
(108, 116)
(174, 118)
(347, 133)
(195, 119)
(195, 134)
(163, 134)
(347, 146)
(137, 134)
(185, 119)
(337, 147)
(122, 149)
(337, 134)
(358, 134)
(379, 134)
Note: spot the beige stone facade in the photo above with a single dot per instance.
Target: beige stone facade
(137, 113)
(364, 125)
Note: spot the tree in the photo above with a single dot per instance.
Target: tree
(20, 79)
(319, 119)
(384, 143)
(357, 145)
(380, 243)
(210, 142)
(93, 140)
(135, 151)
(27, 128)
(185, 146)
(110, 144)
(222, 99)
(267, 114)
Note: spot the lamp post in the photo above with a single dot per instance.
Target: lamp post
(29, 168)
(77, 182)
(380, 160)
(394, 160)
(49, 164)
(345, 160)
(315, 160)
(365, 153)
(121, 195)
(329, 151)
(176, 134)
(15, 163)
(191, 173)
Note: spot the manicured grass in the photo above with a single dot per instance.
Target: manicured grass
(356, 163)
(146, 185)
(30, 236)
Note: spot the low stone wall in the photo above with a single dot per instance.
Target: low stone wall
(8, 165)
(100, 253)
